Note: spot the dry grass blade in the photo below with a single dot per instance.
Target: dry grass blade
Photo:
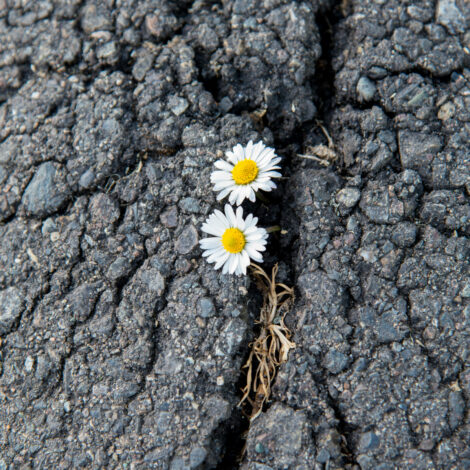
(273, 344)
(321, 153)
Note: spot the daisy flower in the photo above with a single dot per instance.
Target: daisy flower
(247, 170)
(235, 240)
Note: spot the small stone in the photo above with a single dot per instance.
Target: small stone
(323, 456)
(230, 338)
(429, 332)
(404, 234)
(189, 204)
(205, 307)
(188, 240)
(449, 15)
(161, 24)
(153, 281)
(197, 456)
(87, 179)
(456, 409)
(178, 464)
(28, 364)
(178, 105)
(142, 65)
(48, 226)
(262, 466)
(368, 441)
(81, 301)
(335, 361)
(348, 197)
(163, 421)
(11, 305)
(123, 391)
(259, 448)
(119, 268)
(446, 111)
(107, 51)
(417, 150)
(376, 72)
(381, 205)
(169, 217)
(225, 104)
(94, 19)
(427, 444)
(366, 88)
(465, 292)
(43, 195)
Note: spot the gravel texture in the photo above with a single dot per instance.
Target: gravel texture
(119, 346)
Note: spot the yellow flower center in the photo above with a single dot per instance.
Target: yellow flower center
(245, 171)
(233, 240)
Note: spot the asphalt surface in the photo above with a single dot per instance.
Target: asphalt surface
(120, 347)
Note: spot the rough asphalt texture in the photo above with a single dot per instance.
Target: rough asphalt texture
(120, 347)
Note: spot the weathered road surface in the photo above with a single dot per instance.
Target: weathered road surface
(120, 347)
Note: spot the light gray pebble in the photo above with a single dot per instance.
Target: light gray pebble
(178, 105)
(43, 195)
(197, 457)
(206, 307)
(348, 197)
(188, 240)
(189, 204)
(368, 441)
(335, 361)
(28, 364)
(11, 305)
(87, 178)
(366, 88)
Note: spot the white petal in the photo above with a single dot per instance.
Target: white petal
(248, 232)
(213, 229)
(245, 262)
(223, 193)
(220, 175)
(240, 196)
(232, 218)
(266, 157)
(233, 263)
(223, 185)
(223, 165)
(208, 243)
(252, 231)
(222, 260)
(216, 255)
(254, 255)
(240, 221)
(248, 221)
(269, 186)
(257, 246)
(233, 195)
(249, 149)
(271, 174)
(226, 265)
(238, 153)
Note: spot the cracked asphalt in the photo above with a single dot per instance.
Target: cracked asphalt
(119, 346)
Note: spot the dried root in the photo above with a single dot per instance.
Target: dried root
(272, 346)
(321, 153)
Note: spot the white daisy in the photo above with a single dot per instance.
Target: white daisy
(248, 170)
(235, 240)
